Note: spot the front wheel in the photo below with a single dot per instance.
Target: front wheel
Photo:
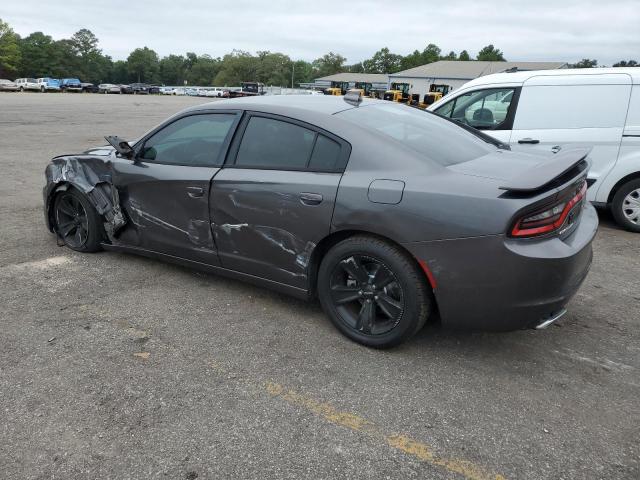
(77, 222)
(626, 206)
(373, 291)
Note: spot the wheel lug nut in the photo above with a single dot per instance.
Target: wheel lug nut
(376, 297)
(360, 292)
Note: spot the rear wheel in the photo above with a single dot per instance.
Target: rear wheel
(626, 206)
(373, 292)
(77, 222)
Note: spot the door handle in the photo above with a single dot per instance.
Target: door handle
(532, 141)
(195, 192)
(556, 148)
(311, 198)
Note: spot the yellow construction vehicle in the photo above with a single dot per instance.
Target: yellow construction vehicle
(399, 92)
(440, 88)
(337, 88)
(364, 88)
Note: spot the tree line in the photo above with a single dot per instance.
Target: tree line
(39, 55)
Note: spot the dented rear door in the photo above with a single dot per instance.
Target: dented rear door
(273, 201)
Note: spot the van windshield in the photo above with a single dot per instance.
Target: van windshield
(437, 138)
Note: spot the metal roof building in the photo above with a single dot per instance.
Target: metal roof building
(457, 73)
(377, 80)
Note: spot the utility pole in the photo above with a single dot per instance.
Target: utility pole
(293, 70)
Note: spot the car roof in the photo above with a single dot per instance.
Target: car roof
(521, 77)
(297, 104)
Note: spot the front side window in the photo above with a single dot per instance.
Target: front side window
(481, 109)
(276, 144)
(196, 140)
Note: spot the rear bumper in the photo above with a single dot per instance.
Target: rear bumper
(500, 283)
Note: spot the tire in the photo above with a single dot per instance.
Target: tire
(21, 89)
(42, 89)
(379, 316)
(67, 225)
(625, 206)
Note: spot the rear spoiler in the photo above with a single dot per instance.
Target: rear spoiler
(545, 173)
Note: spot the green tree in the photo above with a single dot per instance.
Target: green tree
(237, 66)
(172, 70)
(383, 61)
(143, 65)
(274, 69)
(490, 54)
(10, 54)
(450, 56)
(92, 65)
(625, 63)
(355, 68)
(39, 55)
(430, 54)
(120, 72)
(302, 72)
(203, 71)
(329, 64)
(584, 63)
(464, 56)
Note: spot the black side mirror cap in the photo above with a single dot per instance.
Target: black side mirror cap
(121, 146)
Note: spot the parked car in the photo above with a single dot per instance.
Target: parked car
(70, 85)
(7, 85)
(154, 89)
(109, 88)
(49, 84)
(126, 89)
(550, 111)
(27, 84)
(139, 88)
(89, 87)
(166, 90)
(216, 92)
(301, 195)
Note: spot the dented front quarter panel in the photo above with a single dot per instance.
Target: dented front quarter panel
(92, 174)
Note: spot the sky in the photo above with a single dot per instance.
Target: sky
(543, 30)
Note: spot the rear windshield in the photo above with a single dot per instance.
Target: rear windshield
(437, 138)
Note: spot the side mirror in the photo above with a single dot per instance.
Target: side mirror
(121, 146)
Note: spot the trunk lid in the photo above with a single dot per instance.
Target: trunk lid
(524, 173)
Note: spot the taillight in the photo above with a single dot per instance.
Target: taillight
(548, 219)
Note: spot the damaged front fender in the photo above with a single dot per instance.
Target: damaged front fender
(93, 177)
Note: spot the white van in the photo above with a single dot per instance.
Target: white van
(547, 110)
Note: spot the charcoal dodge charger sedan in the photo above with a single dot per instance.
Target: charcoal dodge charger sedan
(388, 214)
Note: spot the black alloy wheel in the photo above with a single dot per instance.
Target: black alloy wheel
(72, 221)
(76, 222)
(367, 295)
(373, 291)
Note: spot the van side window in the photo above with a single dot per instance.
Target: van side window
(633, 117)
(572, 106)
(482, 109)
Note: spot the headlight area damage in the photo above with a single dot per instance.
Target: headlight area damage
(91, 176)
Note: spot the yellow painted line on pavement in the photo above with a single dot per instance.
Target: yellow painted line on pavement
(407, 445)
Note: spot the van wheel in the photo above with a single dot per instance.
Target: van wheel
(373, 292)
(626, 206)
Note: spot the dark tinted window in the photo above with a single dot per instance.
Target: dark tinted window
(438, 139)
(194, 141)
(325, 155)
(269, 143)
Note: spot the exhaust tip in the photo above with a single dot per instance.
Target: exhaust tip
(549, 321)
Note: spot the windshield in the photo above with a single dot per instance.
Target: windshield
(438, 139)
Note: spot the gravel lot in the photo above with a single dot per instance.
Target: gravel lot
(114, 366)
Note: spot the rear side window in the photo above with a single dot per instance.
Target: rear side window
(435, 138)
(269, 143)
(572, 106)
